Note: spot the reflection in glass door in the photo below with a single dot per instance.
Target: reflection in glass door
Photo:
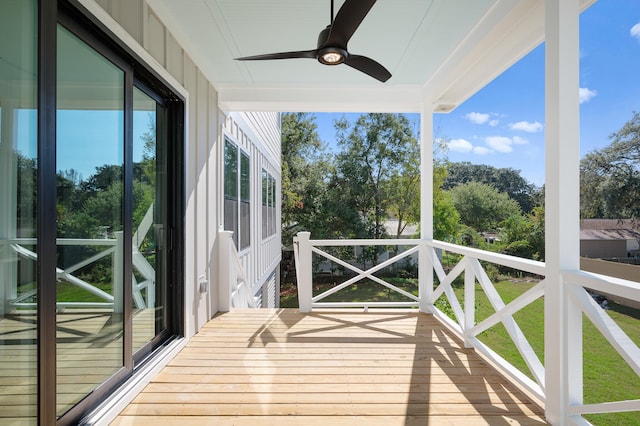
(18, 230)
(90, 240)
(149, 221)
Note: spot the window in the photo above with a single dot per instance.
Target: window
(268, 204)
(237, 194)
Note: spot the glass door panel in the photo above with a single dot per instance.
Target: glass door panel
(149, 227)
(90, 194)
(18, 238)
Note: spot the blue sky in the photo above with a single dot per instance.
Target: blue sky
(503, 124)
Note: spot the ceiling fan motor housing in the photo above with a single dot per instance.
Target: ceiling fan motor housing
(329, 55)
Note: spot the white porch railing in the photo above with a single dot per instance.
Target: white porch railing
(234, 290)
(464, 325)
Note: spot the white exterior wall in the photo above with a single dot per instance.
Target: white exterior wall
(139, 27)
(261, 258)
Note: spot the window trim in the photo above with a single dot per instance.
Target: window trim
(269, 205)
(239, 234)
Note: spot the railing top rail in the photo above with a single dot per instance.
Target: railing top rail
(363, 242)
(604, 283)
(531, 266)
(527, 265)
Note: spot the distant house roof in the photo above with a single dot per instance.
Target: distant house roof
(609, 229)
(597, 224)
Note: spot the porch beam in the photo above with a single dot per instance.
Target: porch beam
(563, 327)
(379, 98)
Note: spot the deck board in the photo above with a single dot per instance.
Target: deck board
(281, 367)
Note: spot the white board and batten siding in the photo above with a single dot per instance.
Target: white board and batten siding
(258, 135)
(140, 28)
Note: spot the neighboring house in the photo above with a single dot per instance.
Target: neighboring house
(609, 238)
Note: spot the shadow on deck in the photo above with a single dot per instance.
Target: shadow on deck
(341, 367)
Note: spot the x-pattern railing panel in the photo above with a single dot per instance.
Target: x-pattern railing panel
(609, 329)
(362, 274)
(473, 271)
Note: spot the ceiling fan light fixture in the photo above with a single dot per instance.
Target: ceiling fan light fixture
(332, 56)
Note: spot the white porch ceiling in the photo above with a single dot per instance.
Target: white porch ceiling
(440, 52)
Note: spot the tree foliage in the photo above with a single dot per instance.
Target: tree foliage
(375, 176)
(506, 180)
(483, 207)
(446, 219)
(306, 169)
(610, 177)
(523, 236)
(376, 150)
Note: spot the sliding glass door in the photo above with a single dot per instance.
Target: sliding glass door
(112, 217)
(149, 219)
(91, 211)
(90, 284)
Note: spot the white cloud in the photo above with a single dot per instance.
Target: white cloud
(635, 31)
(494, 122)
(526, 126)
(499, 143)
(586, 94)
(460, 145)
(517, 140)
(477, 117)
(481, 150)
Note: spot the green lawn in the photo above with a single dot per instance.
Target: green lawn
(606, 376)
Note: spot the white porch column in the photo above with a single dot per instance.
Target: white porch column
(425, 260)
(563, 327)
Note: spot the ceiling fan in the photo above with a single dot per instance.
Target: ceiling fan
(332, 42)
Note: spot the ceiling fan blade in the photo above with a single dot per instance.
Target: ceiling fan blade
(307, 54)
(368, 66)
(347, 21)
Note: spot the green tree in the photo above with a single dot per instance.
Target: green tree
(610, 177)
(375, 148)
(523, 236)
(446, 219)
(505, 180)
(403, 188)
(306, 168)
(481, 206)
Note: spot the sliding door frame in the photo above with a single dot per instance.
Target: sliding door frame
(76, 19)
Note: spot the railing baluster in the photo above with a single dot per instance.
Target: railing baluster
(425, 277)
(304, 271)
(225, 238)
(469, 302)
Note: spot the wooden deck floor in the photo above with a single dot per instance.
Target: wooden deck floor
(280, 367)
